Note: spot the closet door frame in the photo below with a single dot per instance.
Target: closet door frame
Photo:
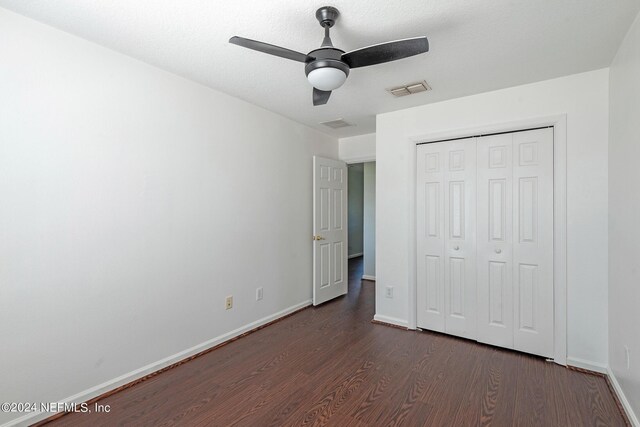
(559, 124)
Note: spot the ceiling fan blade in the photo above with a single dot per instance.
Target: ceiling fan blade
(270, 49)
(320, 97)
(385, 52)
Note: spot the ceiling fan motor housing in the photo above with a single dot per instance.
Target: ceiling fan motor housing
(326, 59)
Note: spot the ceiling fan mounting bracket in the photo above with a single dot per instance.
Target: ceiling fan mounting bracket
(327, 16)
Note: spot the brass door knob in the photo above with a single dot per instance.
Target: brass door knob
(318, 238)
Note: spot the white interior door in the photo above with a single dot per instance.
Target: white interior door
(329, 229)
(446, 237)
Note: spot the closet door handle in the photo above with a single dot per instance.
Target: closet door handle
(498, 251)
(455, 248)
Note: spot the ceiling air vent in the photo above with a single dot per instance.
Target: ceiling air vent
(409, 89)
(336, 124)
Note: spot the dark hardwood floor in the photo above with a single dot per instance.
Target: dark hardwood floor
(331, 366)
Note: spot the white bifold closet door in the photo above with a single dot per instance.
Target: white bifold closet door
(501, 238)
(447, 237)
(515, 241)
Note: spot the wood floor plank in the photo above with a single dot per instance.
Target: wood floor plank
(329, 365)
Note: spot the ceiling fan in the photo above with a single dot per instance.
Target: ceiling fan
(327, 67)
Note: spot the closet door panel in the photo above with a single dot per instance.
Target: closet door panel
(494, 239)
(533, 241)
(430, 211)
(460, 238)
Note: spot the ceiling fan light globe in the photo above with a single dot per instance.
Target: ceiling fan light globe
(327, 78)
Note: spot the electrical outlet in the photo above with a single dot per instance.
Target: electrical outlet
(389, 292)
(229, 302)
(259, 294)
(628, 356)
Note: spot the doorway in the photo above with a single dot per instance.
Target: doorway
(361, 216)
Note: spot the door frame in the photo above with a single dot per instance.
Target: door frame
(364, 159)
(353, 161)
(559, 124)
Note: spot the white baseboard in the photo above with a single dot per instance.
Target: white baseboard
(391, 320)
(623, 399)
(587, 364)
(604, 369)
(96, 391)
(366, 277)
(355, 255)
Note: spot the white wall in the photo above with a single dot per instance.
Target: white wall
(357, 149)
(584, 99)
(133, 202)
(355, 201)
(624, 209)
(369, 267)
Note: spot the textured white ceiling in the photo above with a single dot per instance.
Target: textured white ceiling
(476, 46)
